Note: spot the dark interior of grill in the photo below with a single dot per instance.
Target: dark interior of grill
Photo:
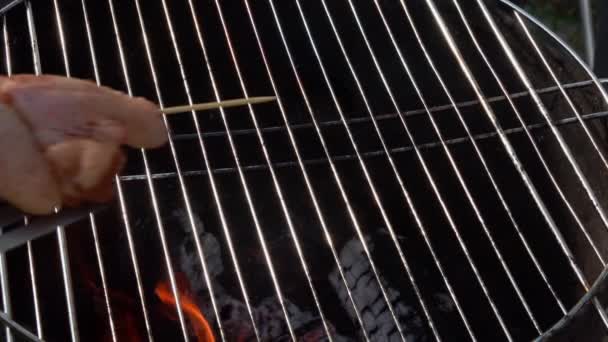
(91, 310)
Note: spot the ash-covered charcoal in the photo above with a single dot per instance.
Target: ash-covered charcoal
(270, 322)
(307, 327)
(377, 318)
(444, 302)
(236, 321)
(189, 258)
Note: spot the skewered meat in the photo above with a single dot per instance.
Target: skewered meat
(85, 169)
(61, 139)
(59, 108)
(26, 180)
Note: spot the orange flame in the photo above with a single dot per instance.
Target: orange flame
(197, 319)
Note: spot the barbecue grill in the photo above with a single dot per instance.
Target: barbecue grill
(431, 170)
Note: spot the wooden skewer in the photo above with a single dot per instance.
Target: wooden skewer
(221, 104)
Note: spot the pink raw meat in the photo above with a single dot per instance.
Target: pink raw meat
(59, 108)
(60, 139)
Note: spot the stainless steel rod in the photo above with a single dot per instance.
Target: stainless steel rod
(61, 235)
(30, 250)
(366, 174)
(17, 328)
(370, 154)
(505, 141)
(185, 194)
(558, 136)
(355, 119)
(309, 186)
(92, 219)
(476, 149)
(588, 30)
(215, 192)
(277, 187)
(6, 298)
(102, 275)
(582, 124)
(244, 183)
(151, 187)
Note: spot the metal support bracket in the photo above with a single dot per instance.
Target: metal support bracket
(6, 5)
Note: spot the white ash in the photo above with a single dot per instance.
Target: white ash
(189, 257)
(236, 321)
(378, 321)
(444, 302)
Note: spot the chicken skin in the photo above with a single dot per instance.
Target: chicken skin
(61, 139)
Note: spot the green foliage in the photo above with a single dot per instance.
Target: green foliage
(562, 16)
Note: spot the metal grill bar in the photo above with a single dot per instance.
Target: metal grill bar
(67, 281)
(123, 208)
(452, 162)
(5, 5)
(277, 186)
(61, 36)
(428, 174)
(98, 252)
(134, 258)
(280, 190)
(151, 188)
(227, 234)
(31, 263)
(30, 250)
(6, 298)
(102, 273)
(195, 229)
(543, 109)
(563, 145)
(7, 48)
(534, 145)
(599, 87)
(335, 173)
(370, 112)
(541, 205)
(225, 228)
(242, 178)
(592, 76)
(361, 163)
(582, 123)
(467, 72)
(597, 304)
(588, 30)
(509, 148)
(61, 237)
(525, 80)
(408, 113)
(16, 328)
(309, 186)
(371, 154)
(600, 310)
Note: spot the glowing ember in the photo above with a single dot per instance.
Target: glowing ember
(129, 329)
(200, 325)
(124, 309)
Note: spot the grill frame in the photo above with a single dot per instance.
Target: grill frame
(149, 177)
